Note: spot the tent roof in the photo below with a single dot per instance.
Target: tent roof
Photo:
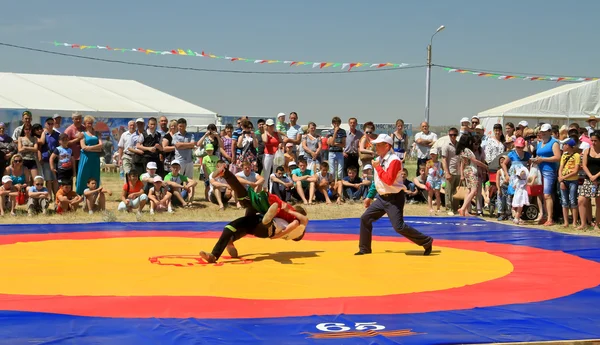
(72, 93)
(577, 100)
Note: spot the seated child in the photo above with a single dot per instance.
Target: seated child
(94, 196)
(327, 188)
(180, 185)
(160, 197)
(412, 193)
(281, 184)
(220, 193)
(148, 177)
(354, 188)
(8, 192)
(132, 196)
(39, 197)
(66, 198)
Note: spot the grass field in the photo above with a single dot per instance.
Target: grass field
(205, 211)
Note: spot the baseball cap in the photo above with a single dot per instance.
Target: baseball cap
(475, 117)
(6, 179)
(523, 123)
(270, 122)
(465, 119)
(209, 147)
(26, 112)
(545, 127)
(520, 142)
(151, 165)
(139, 119)
(571, 142)
(383, 138)
(368, 166)
(157, 178)
(56, 116)
(292, 163)
(175, 161)
(280, 115)
(480, 127)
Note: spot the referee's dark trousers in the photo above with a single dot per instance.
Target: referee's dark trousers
(393, 205)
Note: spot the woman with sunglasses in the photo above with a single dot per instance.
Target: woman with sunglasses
(28, 148)
(19, 174)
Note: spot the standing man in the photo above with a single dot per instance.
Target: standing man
(57, 123)
(424, 140)
(163, 126)
(261, 145)
(351, 148)
(184, 145)
(124, 145)
(388, 184)
(294, 132)
(336, 139)
(26, 118)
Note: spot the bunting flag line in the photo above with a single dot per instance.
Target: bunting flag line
(522, 77)
(343, 65)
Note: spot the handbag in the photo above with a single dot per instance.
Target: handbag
(461, 192)
(535, 190)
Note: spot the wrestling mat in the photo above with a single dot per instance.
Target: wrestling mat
(144, 283)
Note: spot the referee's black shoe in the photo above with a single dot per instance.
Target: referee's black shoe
(428, 248)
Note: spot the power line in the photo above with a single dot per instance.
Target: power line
(202, 69)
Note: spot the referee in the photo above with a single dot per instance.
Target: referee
(388, 184)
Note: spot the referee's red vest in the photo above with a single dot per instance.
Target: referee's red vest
(390, 179)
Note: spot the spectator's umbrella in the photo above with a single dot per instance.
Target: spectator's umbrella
(495, 163)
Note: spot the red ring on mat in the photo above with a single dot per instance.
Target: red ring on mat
(538, 275)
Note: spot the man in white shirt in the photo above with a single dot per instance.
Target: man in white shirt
(388, 184)
(424, 140)
(125, 143)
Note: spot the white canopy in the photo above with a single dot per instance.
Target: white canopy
(561, 105)
(45, 95)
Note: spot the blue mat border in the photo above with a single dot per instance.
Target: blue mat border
(568, 318)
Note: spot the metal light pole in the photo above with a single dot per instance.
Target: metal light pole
(428, 78)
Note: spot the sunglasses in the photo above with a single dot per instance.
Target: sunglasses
(39, 184)
(452, 135)
(18, 161)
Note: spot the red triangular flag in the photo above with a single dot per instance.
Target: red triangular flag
(352, 65)
(174, 52)
(233, 59)
(381, 65)
(293, 63)
(323, 64)
(74, 45)
(142, 50)
(559, 79)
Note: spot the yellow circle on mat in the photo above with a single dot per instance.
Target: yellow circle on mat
(279, 270)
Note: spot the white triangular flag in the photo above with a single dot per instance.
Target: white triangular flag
(257, 61)
(101, 47)
(374, 64)
(344, 65)
(316, 64)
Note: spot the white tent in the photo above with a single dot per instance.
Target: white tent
(562, 105)
(109, 99)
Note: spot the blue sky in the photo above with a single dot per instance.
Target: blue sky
(549, 37)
